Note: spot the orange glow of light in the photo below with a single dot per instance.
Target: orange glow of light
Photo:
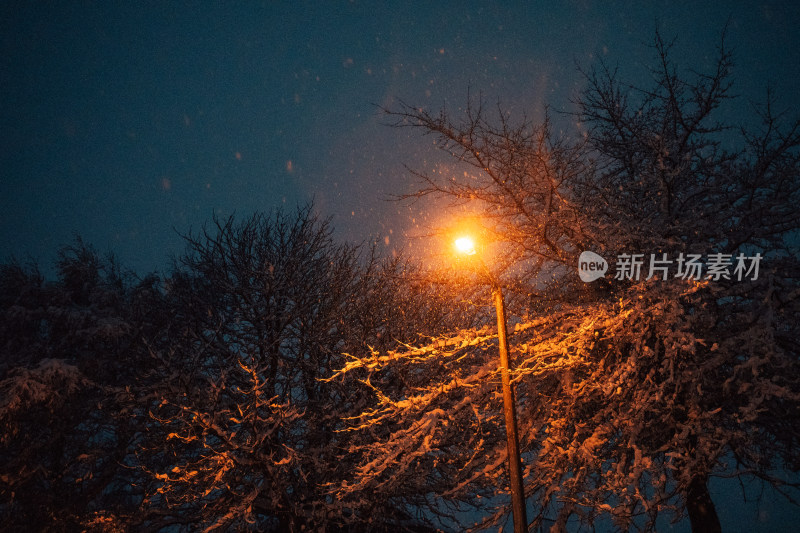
(465, 245)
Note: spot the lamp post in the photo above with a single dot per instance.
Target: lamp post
(466, 246)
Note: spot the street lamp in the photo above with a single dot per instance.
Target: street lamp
(466, 245)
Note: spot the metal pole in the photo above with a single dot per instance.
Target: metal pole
(514, 461)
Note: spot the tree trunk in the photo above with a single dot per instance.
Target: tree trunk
(702, 514)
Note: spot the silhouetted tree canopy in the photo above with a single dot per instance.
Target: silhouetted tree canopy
(638, 388)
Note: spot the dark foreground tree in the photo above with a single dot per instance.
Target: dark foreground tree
(69, 350)
(245, 432)
(198, 401)
(636, 389)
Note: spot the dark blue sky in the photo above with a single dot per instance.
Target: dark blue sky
(121, 121)
(126, 121)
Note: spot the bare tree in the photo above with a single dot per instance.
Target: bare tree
(634, 391)
(197, 401)
(247, 434)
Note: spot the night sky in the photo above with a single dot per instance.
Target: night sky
(130, 122)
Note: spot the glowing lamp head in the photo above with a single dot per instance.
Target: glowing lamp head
(465, 245)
